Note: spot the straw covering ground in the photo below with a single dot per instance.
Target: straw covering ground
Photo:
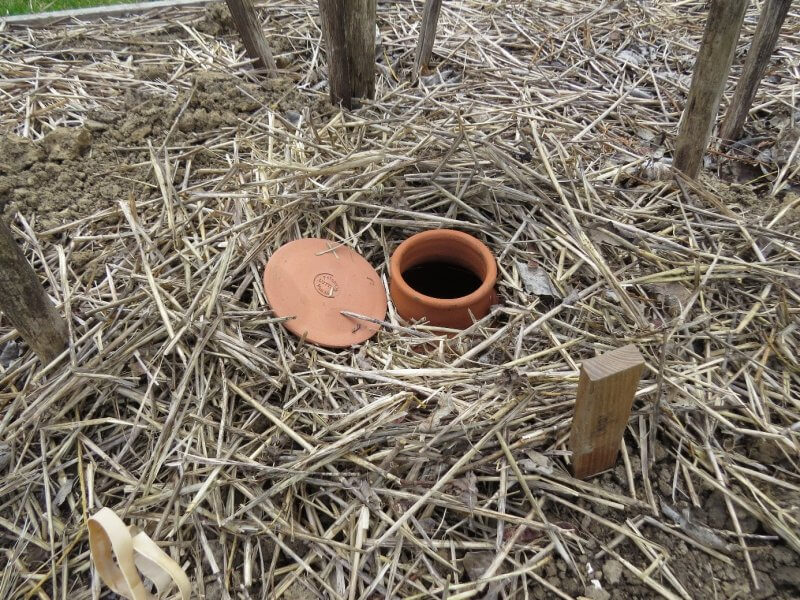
(152, 173)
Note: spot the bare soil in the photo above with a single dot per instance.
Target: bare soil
(75, 171)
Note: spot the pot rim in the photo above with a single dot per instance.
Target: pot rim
(486, 287)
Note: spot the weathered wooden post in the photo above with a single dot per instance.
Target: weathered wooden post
(349, 30)
(24, 302)
(711, 69)
(246, 21)
(764, 40)
(606, 389)
(427, 34)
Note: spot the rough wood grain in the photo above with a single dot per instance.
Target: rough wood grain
(348, 27)
(25, 304)
(605, 394)
(427, 35)
(708, 81)
(249, 28)
(765, 39)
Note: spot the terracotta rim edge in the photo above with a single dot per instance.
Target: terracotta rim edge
(488, 281)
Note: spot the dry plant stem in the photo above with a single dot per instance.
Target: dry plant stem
(535, 506)
(763, 45)
(447, 476)
(24, 302)
(710, 72)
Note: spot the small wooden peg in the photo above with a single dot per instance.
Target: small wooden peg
(605, 394)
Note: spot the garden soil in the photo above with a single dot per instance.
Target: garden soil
(76, 171)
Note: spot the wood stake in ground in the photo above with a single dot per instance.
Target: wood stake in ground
(708, 81)
(349, 30)
(427, 35)
(24, 302)
(246, 21)
(605, 395)
(764, 40)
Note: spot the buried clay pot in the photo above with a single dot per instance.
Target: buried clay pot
(446, 277)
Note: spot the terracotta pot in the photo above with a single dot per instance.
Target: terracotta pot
(442, 276)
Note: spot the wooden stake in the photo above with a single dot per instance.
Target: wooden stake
(349, 30)
(24, 302)
(605, 394)
(427, 35)
(249, 28)
(711, 69)
(765, 38)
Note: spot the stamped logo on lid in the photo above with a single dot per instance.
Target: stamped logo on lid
(326, 285)
(309, 282)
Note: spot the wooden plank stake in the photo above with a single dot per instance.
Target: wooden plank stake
(427, 35)
(348, 27)
(249, 28)
(24, 302)
(605, 395)
(711, 69)
(765, 38)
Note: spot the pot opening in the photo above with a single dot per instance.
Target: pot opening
(444, 280)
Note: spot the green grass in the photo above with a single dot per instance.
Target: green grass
(19, 7)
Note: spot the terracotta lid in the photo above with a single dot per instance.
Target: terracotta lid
(314, 280)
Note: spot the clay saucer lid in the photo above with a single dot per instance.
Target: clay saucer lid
(313, 280)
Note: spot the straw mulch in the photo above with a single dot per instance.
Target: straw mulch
(271, 468)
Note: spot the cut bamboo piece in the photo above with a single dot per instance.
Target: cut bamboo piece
(605, 394)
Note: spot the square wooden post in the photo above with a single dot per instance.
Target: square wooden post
(606, 389)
